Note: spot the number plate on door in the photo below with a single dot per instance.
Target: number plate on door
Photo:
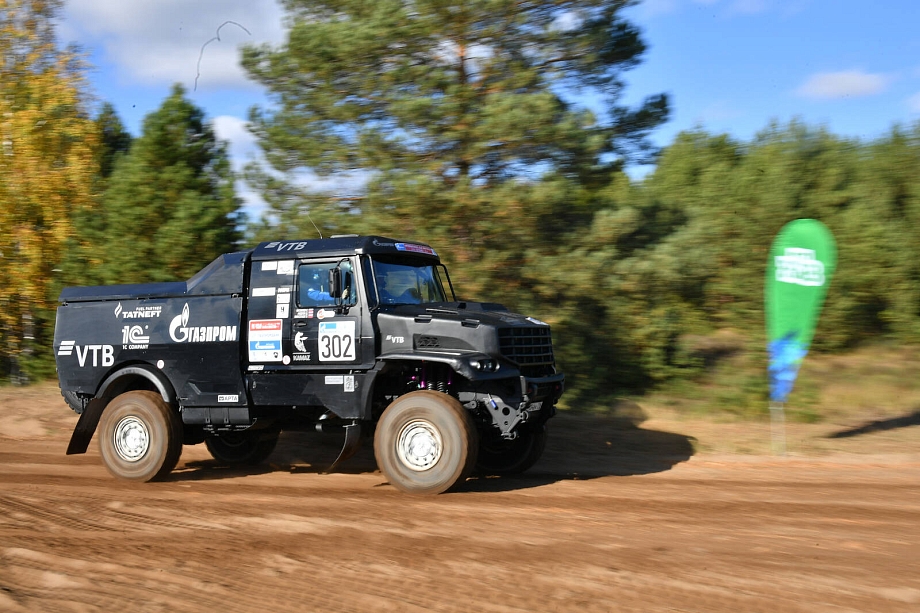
(337, 341)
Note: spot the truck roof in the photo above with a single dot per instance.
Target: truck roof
(341, 246)
(221, 277)
(225, 274)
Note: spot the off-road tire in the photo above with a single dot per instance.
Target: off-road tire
(73, 401)
(425, 443)
(500, 457)
(140, 436)
(242, 448)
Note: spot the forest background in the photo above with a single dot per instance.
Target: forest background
(464, 129)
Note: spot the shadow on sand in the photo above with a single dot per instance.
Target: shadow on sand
(579, 447)
(582, 446)
(879, 425)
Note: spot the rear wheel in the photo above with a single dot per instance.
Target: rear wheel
(501, 457)
(425, 443)
(73, 401)
(140, 437)
(242, 448)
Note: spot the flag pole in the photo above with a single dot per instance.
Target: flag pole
(778, 427)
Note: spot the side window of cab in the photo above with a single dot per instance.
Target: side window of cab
(313, 284)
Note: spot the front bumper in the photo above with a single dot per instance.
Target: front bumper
(541, 389)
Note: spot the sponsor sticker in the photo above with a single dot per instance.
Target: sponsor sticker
(415, 248)
(273, 265)
(286, 246)
(286, 267)
(88, 355)
(228, 398)
(265, 340)
(180, 332)
(282, 311)
(138, 312)
(263, 291)
(133, 337)
(346, 381)
(300, 343)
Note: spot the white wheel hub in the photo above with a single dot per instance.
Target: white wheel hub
(419, 445)
(131, 439)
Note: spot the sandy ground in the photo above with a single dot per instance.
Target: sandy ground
(611, 519)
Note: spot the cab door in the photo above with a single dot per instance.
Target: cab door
(323, 360)
(325, 335)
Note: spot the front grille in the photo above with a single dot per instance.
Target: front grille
(526, 346)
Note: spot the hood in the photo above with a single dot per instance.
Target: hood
(465, 327)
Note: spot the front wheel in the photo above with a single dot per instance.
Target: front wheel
(501, 457)
(425, 443)
(140, 436)
(242, 448)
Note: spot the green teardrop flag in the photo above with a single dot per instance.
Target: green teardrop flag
(802, 260)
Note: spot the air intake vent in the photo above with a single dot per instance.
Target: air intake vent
(427, 342)
(527, 346)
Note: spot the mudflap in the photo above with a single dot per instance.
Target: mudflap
(351, 446)
(86, 426)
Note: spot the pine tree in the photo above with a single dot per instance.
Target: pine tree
(170, 205)
(115, 140)
(440, 104)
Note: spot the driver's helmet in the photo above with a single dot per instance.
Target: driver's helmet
(384, 293)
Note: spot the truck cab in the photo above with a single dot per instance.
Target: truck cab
(356, 334)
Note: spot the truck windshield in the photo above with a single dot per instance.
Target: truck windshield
(406, 281)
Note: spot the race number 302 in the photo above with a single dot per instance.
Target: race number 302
(336, 341)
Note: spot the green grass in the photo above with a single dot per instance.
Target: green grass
(874, 382)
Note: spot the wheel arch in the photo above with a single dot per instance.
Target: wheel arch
(125, 379)
(137, 377)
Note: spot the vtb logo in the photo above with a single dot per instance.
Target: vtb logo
(102, 355)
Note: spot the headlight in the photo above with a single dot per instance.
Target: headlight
(486, 365)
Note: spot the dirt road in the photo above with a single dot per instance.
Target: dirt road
(609, 520)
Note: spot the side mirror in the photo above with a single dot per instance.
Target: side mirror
(335, 283)
(348, 292)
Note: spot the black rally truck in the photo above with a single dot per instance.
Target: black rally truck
(354, 334)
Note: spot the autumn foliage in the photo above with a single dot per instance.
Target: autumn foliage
(46, 165)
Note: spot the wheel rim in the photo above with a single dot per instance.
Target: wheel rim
(131, 439)
(419, 445)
